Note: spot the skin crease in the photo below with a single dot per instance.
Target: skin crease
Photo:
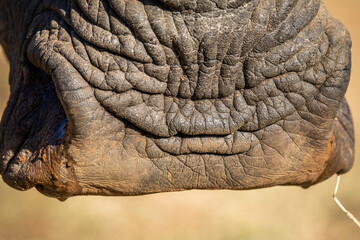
(137, 97)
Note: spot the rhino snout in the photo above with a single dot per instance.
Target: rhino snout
(136, 97)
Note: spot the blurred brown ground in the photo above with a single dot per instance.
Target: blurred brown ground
(275, 213)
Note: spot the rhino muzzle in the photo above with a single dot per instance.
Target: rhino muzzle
(134, 97)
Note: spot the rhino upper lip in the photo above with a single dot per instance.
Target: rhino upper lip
(163, 139)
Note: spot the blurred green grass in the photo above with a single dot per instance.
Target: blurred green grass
(275, 213)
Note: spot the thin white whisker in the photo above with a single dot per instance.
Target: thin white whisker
(349, 214)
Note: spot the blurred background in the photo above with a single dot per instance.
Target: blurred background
(275, 213)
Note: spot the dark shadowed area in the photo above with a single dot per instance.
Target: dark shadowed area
(274, 213)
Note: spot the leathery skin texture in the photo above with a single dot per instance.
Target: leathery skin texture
(129, 97)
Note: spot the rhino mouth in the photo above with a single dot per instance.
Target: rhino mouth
(126, 103)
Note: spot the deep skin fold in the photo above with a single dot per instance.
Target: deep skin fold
(136, 97)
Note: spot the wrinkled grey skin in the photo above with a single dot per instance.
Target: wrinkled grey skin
(128, 97)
